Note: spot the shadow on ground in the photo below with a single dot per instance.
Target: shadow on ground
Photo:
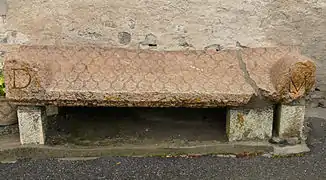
(137, 126)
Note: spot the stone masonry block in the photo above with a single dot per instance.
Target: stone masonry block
(290, 119)
(249, 124)
(31, 121)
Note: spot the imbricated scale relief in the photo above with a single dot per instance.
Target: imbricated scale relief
(100, 76)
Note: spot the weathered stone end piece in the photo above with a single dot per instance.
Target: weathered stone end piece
(280, 74)
(98, 76)
(293, 76)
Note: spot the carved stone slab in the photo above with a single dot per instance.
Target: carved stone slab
(102, 76)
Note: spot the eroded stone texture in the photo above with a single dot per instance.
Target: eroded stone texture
(89, 75)
(120, 77)
(249, 124)
(280, 74)
(293, 76)
(32, 124)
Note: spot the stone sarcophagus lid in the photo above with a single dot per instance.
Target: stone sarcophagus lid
(37, 76)
(102, 76)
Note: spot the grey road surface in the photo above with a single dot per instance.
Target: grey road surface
(311, 166)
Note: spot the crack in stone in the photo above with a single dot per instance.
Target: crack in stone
(247, 77)
(261, 97)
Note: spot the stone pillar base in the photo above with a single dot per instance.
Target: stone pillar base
(32, 124)
(249, 124)
(289, 121)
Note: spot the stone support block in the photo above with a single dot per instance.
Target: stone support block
(32, 124)
(249, 124)
(289, 121)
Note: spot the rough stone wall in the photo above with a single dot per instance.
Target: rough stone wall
(172, 25)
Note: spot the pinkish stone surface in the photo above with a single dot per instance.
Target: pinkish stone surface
(280, 73)
(100, 76)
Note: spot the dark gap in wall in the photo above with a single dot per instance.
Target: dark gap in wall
(276, 119)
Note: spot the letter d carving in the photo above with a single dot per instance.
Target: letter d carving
(22, 78)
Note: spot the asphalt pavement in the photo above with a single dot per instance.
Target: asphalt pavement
(310, 166)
